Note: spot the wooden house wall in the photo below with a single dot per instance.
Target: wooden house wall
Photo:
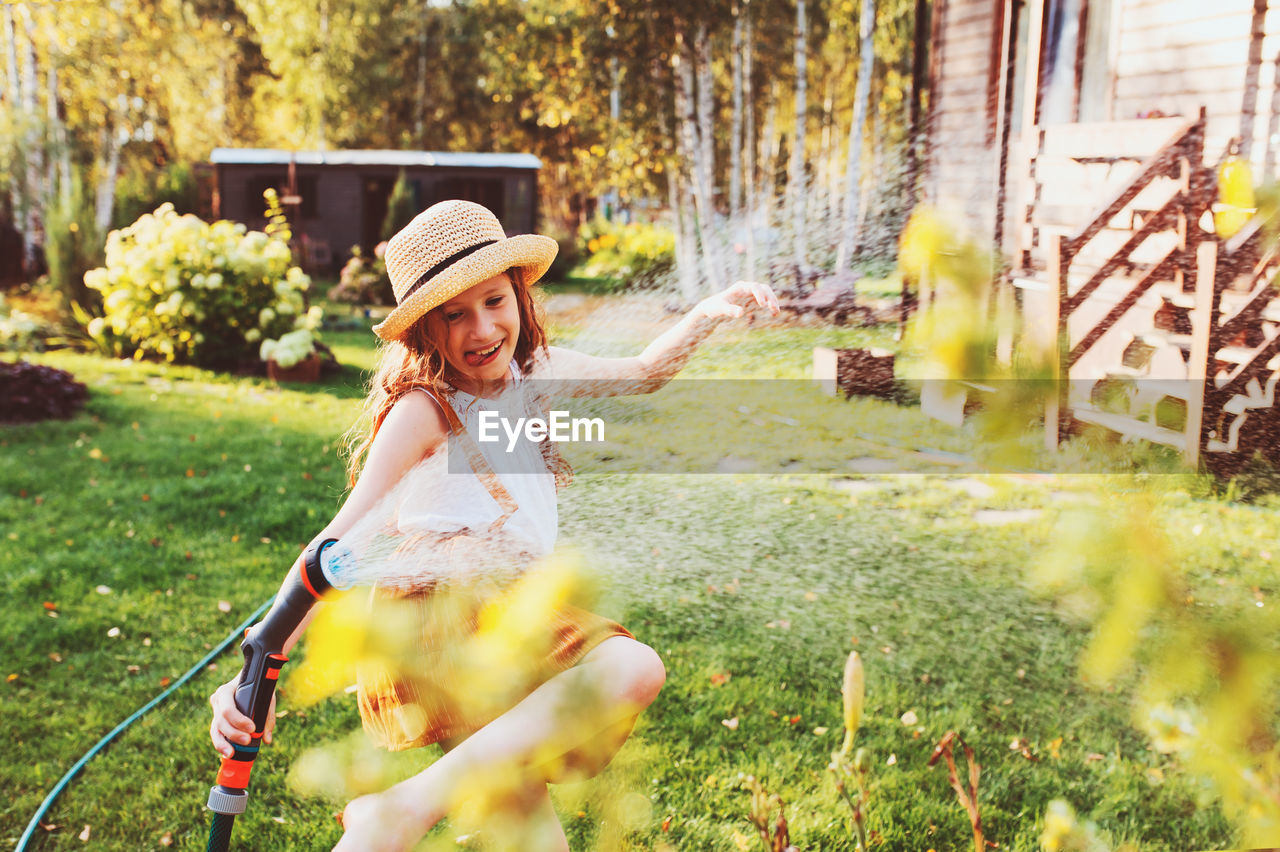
(1177, 55)
(962, 166)
(1165, 56)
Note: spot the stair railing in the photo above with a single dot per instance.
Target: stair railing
(1180, 158)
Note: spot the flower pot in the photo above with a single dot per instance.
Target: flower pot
(307, 370)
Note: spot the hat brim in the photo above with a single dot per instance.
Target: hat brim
(532, 253)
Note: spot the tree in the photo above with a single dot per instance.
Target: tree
(853, 171)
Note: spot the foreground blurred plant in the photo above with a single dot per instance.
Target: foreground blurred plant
(1207, 669)
(493, 633)
(968, 797)
(1065, 832)
(849, 767)
(964, 336)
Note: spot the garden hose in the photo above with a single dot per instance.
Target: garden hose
(118, 729)
(263, 650)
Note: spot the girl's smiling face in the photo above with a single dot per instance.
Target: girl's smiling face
(480, 329)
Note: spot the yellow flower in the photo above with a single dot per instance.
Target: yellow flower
(854, 692)
(1170, 729)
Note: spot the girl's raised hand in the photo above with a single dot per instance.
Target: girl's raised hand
(736, 300)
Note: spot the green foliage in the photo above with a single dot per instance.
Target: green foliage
(568, 256)
(144, 187)
(636, 256)
(73, 245)
(186, 291)
(401, 207)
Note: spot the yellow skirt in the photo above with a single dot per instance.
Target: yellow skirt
(457, 671)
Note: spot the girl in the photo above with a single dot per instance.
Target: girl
(465, 331)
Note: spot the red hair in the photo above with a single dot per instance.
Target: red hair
(414, 360)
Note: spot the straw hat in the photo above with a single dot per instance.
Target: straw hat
(449, 248)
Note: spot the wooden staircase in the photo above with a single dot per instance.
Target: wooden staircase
(1162, 332)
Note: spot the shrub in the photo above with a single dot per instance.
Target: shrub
(144, 188)
(363, 281)
(401, 207)
(567, 257)
(180, 289)
(73, 245)
(30, 393)
(21, 331)
(636, 255)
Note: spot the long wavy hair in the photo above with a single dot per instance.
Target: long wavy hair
(415, 360)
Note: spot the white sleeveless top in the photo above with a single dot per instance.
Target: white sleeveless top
(462, 501)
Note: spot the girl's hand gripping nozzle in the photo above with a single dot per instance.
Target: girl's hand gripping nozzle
(263, 658)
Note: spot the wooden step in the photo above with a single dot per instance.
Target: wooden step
(1129, 426)
(1158, 338)
(1235, 354)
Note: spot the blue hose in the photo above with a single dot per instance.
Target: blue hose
(102, 743)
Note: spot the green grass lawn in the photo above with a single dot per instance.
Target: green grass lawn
(140, 533)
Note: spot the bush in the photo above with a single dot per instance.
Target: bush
(363, 281)
(30, 393)
(401, 207)
(567, 257)
(21, 331)
(73, 245)
(180, 289)
(636, 255)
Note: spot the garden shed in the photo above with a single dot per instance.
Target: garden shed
(339, 199)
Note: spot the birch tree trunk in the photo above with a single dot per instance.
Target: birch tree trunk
(707, 230)
(748, 146)
(106, 195)
(796, 175)
(734, 266)
(33, 189)
(822, 200)
(686, 251)
(11, 55)
(687, 145)
(58, 134)
(17, 191)
(770, 147)
(853, 168)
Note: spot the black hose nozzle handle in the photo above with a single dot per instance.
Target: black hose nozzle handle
(263, 658)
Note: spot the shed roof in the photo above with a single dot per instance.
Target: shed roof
(281, 157)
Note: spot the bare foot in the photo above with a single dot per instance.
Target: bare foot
(380, 823)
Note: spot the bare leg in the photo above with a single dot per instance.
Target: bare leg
(613, 683)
